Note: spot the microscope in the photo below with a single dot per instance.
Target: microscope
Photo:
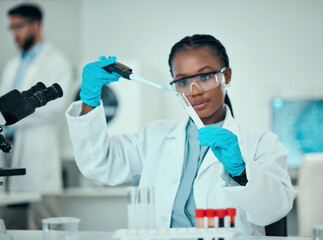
(14, 106)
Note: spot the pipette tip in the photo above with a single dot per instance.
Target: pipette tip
(170, 90)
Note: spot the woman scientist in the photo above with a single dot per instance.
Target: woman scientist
(222, 165)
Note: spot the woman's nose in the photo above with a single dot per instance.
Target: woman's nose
(195, 89)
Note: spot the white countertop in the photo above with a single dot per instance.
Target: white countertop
(38, 235)
(21, 197)
(8, 198)
(18, 197)
(94, 192)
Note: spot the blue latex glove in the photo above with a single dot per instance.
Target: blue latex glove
(93, 79)
(224, 144)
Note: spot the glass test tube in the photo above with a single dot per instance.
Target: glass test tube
(151, 208)
(132, 199)
(190, 110)
(142, 208)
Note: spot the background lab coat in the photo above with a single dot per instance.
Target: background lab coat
(157, 154)
(36, 145)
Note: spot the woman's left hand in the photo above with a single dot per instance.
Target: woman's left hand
(224, 144)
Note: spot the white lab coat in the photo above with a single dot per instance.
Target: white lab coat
(36, 145)
(157, 155)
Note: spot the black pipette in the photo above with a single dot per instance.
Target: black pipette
(119, 68)
(126, 72)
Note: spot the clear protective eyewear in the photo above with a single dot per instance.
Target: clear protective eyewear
(203, 81)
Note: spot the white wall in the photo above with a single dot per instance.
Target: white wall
(275, 47)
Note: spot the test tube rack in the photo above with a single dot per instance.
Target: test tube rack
(177, 233)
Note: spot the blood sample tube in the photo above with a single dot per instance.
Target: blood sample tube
(199, 215)
(221, 213)
(232, 213)
(210, 214)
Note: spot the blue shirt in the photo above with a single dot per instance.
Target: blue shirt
(183, 213)
(26, 60)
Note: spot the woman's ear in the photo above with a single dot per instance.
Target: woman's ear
(227, 73)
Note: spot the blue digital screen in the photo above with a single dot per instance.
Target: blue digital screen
(299, 126)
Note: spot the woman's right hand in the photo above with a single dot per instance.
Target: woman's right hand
(94, 77)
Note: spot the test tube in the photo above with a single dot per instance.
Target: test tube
(232, 213)
(142, 208)
(190, 110)
(221, 213)
(199, 215)
(210, 214)
(151, 208)
(132, 199)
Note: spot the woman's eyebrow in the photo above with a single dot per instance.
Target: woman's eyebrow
(203, 68)
(200, 70)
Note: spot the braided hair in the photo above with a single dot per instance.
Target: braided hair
(202, 41)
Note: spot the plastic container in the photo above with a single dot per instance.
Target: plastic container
(60, 228)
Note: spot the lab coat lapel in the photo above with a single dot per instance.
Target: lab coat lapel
(9, 76)
(172, 172)
(177, 148)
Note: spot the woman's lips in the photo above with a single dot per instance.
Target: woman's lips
(200, 105)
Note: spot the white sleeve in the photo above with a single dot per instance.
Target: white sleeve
(268, 196)
(112, 160)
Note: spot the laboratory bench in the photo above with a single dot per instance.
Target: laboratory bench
(18, 198)
(85, 235)
(99, 207)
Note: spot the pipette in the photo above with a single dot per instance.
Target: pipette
(126, 72)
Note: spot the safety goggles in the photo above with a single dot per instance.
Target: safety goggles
(203, 81)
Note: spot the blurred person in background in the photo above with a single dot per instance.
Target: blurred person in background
(36, 138)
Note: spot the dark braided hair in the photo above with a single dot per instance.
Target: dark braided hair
(202, 41)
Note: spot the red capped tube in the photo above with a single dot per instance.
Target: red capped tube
(210, 214)
(231, 212)
(199, 215)
(221, 213)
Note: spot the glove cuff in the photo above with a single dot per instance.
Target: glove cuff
(93, 102)
(241, 179)
(238, 171)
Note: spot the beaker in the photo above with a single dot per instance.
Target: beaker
(60, 228)
(317, 232)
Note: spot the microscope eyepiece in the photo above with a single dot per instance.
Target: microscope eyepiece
(15, 106)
